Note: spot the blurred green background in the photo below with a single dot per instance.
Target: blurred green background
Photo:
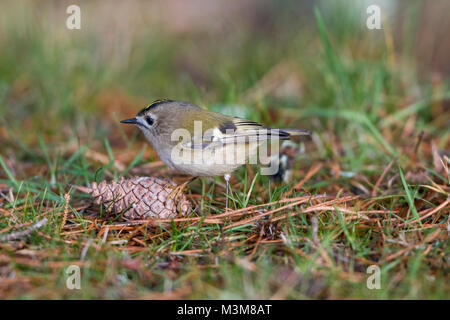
(260, 55)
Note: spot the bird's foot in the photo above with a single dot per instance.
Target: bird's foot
(178, 190)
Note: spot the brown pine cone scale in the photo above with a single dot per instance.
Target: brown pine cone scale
(139, 198)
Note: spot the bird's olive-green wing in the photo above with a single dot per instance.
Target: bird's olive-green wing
(219, 129)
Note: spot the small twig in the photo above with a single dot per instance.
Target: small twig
(441, 206)
(22, 234)
(419, 140)
(315, 230)
(311, 172)
(261, 234)
(82, 189)
(105, 235)
(380, 179)
(322, 206)
(85, 249)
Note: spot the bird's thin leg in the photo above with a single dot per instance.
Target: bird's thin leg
(227, 180)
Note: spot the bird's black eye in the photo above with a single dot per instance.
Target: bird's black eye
(149, 120)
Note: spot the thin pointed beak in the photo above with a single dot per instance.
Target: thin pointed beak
(132, 121)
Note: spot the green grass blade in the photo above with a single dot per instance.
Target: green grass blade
(409, 196)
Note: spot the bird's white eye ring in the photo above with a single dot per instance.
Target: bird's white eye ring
(149, 120)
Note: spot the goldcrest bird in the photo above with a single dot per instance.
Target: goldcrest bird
(200, 143)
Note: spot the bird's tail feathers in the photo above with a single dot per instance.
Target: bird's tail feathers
(296, 132)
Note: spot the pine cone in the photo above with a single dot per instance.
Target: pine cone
(144, 197)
